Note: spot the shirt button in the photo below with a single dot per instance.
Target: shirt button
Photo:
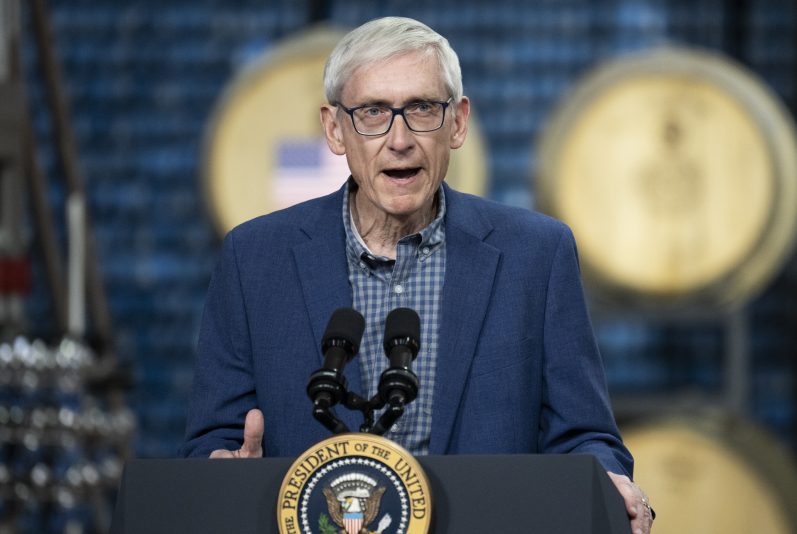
(425, 250)
(399, 289)
(362, 265)
(396, 428)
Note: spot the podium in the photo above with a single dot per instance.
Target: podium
(538, 494)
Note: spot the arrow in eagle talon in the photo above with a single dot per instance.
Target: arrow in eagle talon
(383, 523)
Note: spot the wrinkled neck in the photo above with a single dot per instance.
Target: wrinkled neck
(381, 231)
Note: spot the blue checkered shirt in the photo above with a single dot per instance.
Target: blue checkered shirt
(379, 285)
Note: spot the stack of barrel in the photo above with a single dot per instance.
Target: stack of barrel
(677, 171)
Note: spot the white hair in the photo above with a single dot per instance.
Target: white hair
(381, 39)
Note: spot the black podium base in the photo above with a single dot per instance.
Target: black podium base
(470, 494)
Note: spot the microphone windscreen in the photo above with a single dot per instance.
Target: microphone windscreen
(346, 324)
(402, 323)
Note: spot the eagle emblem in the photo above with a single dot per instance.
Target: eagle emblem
(353, 503)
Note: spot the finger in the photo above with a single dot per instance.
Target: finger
(629, 492)
(635, 503)
(642, 523)
(221, 453)
(253, 435)
(638, 524)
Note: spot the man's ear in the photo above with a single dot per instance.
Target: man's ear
(332, 129)
(460, 130)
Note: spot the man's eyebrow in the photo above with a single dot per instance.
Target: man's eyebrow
(383, 102)
(374, 102)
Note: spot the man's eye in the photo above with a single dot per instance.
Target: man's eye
(373, 111)
(421, 108)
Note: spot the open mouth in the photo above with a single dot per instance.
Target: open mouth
(402, 173)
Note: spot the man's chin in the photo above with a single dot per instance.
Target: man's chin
(414, 215)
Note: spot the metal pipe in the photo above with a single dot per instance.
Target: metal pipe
(97, 301)
(43, 216)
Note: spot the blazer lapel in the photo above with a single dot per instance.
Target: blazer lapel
(471, 265)
(324, 277)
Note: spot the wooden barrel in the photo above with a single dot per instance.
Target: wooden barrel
(264, 146)
(677, 171)
(714, 474)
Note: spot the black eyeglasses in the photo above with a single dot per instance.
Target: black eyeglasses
(374, 119)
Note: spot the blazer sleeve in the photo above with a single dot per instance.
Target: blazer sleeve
(224, 389)
(576, 414)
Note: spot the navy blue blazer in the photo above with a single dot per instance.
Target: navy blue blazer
(518, 370)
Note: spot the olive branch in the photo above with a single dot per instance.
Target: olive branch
(324, 526)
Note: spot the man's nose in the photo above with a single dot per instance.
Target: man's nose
(400, 137)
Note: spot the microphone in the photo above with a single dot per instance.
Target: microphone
(402, 336)
(341, 341)
(398, 385)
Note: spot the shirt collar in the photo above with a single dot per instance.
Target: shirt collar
(430, 236)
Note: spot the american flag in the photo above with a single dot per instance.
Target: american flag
(306, 169)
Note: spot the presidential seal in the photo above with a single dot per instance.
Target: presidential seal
(355, 484)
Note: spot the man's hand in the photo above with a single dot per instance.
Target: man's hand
(636, 503)
(253, 439)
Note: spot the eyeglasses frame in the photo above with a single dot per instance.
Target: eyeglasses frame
(395, 111)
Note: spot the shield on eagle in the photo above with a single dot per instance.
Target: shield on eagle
(353, 501)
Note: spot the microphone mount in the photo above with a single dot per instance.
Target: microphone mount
(398, 385)
(327, 386)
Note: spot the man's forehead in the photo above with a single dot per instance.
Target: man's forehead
(414, 75)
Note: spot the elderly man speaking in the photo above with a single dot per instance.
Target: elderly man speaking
(509, 363)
